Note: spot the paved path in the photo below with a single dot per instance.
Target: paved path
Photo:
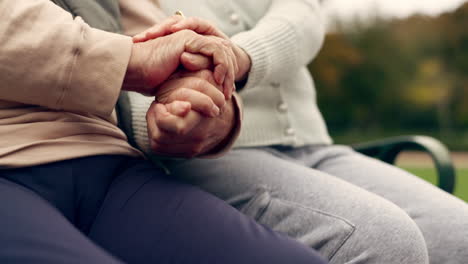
(421, 159)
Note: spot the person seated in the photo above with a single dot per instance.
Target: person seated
(73, 189)
(284, 170)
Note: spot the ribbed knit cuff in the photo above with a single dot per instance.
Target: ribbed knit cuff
(139, 106)
(272, 51)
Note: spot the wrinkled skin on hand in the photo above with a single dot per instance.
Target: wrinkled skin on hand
(198, 88)
(152, 62)
(174, 129)
(190, 116)
(201, 26)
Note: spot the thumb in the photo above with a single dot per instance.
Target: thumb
(195, 62)
(179, 108)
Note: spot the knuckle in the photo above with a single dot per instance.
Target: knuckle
(213, 41)
(205, 22)
(210, 78)
(158, 135)
(205, 74)
(157, 139)
(155, 136)
(222, 68)
(158, 118)
(188, 33)
(226, 43)
(220, 43)
(217, 96)
(206, 105)
(183, 93)
(199, 84)
(191, 59)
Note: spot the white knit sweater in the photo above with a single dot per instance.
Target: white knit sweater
(281, 37)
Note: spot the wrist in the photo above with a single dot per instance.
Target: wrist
(133, 74)
(232, 115)
(228, 114)
(244, 63)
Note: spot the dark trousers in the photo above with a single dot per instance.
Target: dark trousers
(114, 209)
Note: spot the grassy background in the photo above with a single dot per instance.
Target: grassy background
(429, 174)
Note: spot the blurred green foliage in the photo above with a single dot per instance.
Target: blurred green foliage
(397, 76)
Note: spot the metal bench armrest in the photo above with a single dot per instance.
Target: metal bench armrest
(388, 149)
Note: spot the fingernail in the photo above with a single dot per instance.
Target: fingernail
(215, 111)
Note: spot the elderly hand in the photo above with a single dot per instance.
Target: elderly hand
(154, 61)
(175, 129)
(177, 23)
(198, 89)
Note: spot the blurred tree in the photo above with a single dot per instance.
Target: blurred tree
(455, 56)
(394, 74)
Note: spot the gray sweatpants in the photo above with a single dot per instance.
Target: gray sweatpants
(351, 208)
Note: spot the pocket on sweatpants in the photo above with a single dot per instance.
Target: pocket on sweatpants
(320, 230)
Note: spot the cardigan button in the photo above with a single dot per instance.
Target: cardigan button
(290, 132)
(275, 84)
(283, 107)
(234, 19)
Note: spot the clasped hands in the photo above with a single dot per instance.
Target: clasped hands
(190, 67)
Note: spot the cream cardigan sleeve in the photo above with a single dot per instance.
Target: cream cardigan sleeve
(47, 58)
(286, 38)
